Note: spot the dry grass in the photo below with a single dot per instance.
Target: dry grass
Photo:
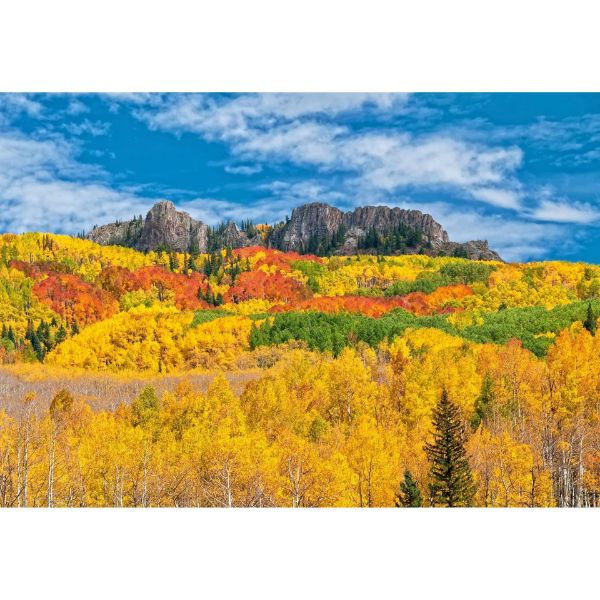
(103, 391)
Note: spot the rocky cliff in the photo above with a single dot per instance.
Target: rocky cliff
(345, 232)
(317, 228)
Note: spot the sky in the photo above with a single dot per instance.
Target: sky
(520, 170)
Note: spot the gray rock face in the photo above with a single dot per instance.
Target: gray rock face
(324, 221)
(164, 226)
(475, 250)
(315, 220)
(385, 219)
(310, 226)
(126, 233)
(177, 230)
(235, 238)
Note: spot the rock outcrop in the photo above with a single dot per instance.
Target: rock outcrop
(310, 221)
(324, 221)
(385, 219)
(167, 227)
(316, 227)
(125, 233)
(475, 250)
(163, 227)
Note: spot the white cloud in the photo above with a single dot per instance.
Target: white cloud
(15, 105)
(243, 169)
(87, 127)
(228, 118)
(562, 211)
(300, 128)
(504, 198)
(390, 161)
(43, 187)
(76, 107)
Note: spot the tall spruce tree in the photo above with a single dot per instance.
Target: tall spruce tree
(590, 320)
(409, 495)
(451, 481)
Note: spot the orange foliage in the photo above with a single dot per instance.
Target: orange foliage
(119, 280)
(74, 299)
(272, 257)
(447, 294)
(185, 287)
(276, 287)
(417, 303)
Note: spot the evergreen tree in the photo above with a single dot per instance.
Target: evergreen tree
(483, 404)
(451, 479)
(590, 320)
(61, 335)
(409, 495)
(37, 346)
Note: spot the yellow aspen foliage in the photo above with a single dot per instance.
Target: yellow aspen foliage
(313, 475)
(158, 339)
(506, 472)
(434, 361)
(371, 456)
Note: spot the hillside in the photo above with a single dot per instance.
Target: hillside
(340, 362)
(312, 229)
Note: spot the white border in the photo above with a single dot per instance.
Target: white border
(313, 45)
(304, 554)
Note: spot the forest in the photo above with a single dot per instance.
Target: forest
(258, 378)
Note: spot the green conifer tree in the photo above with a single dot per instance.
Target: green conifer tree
(451, 481)
(61, 335)
(590, 320)
(409, 495)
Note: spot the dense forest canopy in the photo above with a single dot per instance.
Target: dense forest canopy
(352, 366)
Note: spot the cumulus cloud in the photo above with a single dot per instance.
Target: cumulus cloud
(232, 117)
(14, 105)
(305, 129)
(43, 187)
(562, 211)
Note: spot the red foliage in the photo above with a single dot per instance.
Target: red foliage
(280, 259)
(119, 280)
(276, 287)
(372, 307)
(185, 287)
(74, 299)
(417, 303)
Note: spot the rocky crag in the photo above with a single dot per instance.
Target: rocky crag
(312, 228)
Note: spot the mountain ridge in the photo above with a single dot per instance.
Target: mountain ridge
(314, 228)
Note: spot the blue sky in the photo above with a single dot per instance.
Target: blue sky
(521, 170)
